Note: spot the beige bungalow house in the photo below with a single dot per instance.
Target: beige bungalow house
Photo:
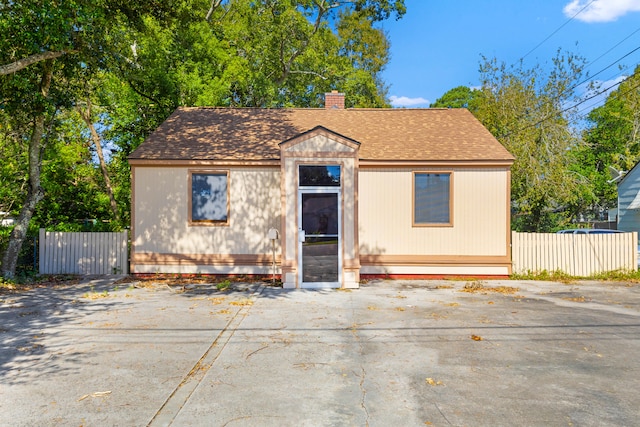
(336, 194)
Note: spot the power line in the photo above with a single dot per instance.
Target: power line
(558, 29)
(590, 78)
(549, 117)
(615, 46)
(558, 96)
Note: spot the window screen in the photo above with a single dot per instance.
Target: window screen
(432, 197)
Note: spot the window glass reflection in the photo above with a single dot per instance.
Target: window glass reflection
(320, 176)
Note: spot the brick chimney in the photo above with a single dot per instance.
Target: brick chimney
(334, 100)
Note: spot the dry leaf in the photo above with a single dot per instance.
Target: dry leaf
(476, 338)
(95, 394)
(576, 299)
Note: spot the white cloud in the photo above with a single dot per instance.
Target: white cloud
(600, 10)
(405, 101)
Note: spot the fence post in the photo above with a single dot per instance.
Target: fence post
(41, 250)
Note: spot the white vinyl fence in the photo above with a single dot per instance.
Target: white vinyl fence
(83, 253)
(580, 255)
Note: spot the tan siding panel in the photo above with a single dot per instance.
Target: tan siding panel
(480, 197)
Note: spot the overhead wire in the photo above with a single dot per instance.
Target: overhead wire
(613, 47)
(557, 29)
(564, 110)
(589, 78)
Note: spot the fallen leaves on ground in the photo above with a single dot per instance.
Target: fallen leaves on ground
(96, 295)
(575, 299)
(96, 394)
(50, 281)
(476, 337)
(472, 287)
(433, 382)
(242, 302)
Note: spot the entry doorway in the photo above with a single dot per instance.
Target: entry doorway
(319, 236)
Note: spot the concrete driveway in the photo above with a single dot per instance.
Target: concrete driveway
(393, 353)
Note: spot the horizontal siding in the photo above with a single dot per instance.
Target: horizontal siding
(160, 223)
(580, 255)
(480, 223)
(628, 188)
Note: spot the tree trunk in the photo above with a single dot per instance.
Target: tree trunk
(86, 116)
(35, 192)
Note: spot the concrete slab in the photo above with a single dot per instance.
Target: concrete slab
(389, 353)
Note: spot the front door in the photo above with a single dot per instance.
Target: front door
(319, 238)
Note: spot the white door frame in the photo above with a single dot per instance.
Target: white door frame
(319, 190)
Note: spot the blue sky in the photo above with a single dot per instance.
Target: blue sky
(438, 44)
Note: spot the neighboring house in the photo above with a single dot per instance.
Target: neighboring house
(6, 219)
(629, 200)
(353, 193)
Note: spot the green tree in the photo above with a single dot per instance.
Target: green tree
(123, 67)
(459, 97)
(612, 139)
(525, 109)
(365, 49)
(47, 49)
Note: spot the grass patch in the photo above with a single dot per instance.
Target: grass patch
(550, 276)
(559, 276)
(224, 285)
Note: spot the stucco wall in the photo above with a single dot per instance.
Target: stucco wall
(160, 223)
(320, 149)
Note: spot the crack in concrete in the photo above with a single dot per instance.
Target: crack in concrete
(363, 372)
(363, 405)
(182, 393)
